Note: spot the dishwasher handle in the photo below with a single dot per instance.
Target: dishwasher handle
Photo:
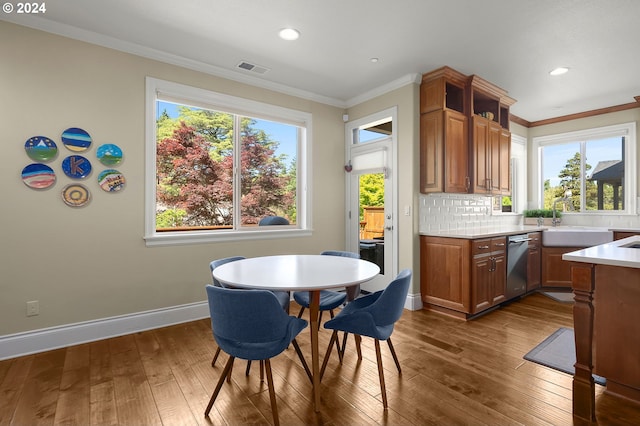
(520, 240)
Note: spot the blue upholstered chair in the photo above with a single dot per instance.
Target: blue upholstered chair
(273, 220)
(251, 325)
(374, 316)
(330, 300)
(282, 296)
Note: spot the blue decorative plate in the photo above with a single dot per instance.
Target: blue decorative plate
(41, 148)
(38, 176)
(111, 180)
(109, 154)
(76, 139)
(75, 195)
(76, 167)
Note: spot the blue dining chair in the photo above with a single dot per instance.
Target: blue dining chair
(251, 325)
(329, 300)
(282, 296)
(374, 316)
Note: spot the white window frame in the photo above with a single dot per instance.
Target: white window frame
(625, 129)
(181, 93)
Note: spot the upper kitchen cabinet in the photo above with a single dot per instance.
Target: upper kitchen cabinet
(490, 139)
(465, 141)
(444, 132)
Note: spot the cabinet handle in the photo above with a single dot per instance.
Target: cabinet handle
(483, 247)
(467, 183)
(500, 244)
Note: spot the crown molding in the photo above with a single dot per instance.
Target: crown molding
(413, 78)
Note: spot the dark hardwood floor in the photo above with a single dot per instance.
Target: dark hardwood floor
(453, 373)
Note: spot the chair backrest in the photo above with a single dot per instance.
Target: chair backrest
(273, 220)
(387, 309)
(340, 253)
(241, 317)
(219, 262)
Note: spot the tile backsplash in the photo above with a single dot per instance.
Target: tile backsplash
(442, 212)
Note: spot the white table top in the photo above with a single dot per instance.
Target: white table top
(615, 253)
(296, 272)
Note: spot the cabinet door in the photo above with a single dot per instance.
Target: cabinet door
(481, 283)
(499, 279)
(504, 187)
(534, 261)
(431, 152)
(494, 156)
(444, 273)
(456, 152)
(555, 271)
(480, 160)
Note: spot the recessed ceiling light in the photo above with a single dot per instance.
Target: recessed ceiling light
(289, 34)
(374, 60)
(559, 71)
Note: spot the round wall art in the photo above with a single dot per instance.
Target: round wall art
(109, 154)
(38, 176)
(76, 139)
(111, 180)
(41, 148)
(75, 195)
(76, 166)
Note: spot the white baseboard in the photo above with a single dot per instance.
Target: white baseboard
(413, 302)
(30, 342)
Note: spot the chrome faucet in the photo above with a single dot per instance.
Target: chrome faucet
(566, 200)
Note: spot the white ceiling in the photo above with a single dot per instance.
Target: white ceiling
(511, 43)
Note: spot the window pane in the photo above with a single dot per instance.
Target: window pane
(268, 164)
(561, 172)
(605, 174)
(194, 162)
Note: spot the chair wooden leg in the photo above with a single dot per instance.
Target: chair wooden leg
(358, 340)
(301, 312)
(338, 348)
(246, 373)
(261, 370)
(395, 358)
(215, 357)
(302, 360)
(383, 390)
(230, 372)
(272, 393)
(319, 320)
(344, 344)
(226, 372)
(334, 336)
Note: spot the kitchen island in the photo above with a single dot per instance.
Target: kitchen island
(606, 315)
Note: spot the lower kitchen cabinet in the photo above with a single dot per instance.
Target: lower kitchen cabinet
(534, 261)
(462, 277)
(556, 273)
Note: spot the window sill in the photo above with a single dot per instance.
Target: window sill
(188, 238)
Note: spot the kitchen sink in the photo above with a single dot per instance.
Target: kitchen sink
(575, 236)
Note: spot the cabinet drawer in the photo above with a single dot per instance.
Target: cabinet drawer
(488, 245)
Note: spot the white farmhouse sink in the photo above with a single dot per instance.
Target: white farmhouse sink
(575, 236)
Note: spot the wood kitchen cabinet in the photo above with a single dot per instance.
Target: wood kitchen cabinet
(534, 261)
(556, 273)
(465, 143)
(444, 133)
(489, 273)
(462, 277)
(618, 235)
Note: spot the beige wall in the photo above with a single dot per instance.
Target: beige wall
(406, 99)
(91, 262)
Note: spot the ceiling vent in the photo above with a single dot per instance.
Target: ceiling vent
(247, 66)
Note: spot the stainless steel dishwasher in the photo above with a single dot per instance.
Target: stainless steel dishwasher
(517, 253)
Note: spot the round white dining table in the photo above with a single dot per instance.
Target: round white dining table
(299, 273)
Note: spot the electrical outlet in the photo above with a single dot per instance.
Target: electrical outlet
(33, 308)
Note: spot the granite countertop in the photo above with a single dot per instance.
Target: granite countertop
(485, 231)
(615, 253)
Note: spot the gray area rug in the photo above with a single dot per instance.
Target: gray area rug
(559, 296)
(558, 352)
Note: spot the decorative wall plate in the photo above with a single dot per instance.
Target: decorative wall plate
(76, 139)
(109, 154)
(75, 195)
(38, 176)
(41, 148)
(76, 166)
(111, 180)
